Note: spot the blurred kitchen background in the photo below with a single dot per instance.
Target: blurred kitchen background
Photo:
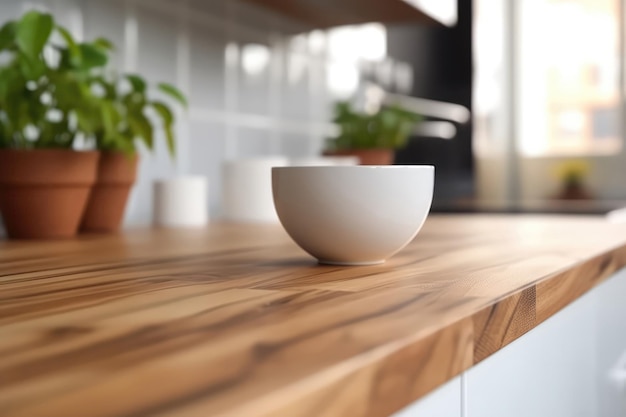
(543, 79)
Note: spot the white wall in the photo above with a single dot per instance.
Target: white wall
(198, 45)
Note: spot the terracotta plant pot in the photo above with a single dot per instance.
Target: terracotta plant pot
(43, 192)
(377, 156)
(574, 191)
(116, 175)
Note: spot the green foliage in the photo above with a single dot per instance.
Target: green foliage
(51, 93)
(103, 44)
(32, 33)
(137, 83)
(168, 121)
(390, 127)
(7, 35)
(173, 92)
(123, 119)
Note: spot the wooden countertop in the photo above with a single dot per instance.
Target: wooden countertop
(237, 321)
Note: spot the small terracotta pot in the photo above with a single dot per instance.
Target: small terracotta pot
(43, 192)
(377, 156)
(574, 191)
(105, 211)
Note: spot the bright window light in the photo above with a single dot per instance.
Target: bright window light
(317, 41)
(342, 79)
(255, 58)
(354, 43)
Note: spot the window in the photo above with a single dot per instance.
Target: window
(547, 77)
(567, 81)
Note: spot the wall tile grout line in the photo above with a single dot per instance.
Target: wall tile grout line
(131, 37)
(255, 121)
(275, 91)
(231, 77)
(183, 75)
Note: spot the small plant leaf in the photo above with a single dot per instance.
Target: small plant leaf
(110, 92)
(103, 43)
(109, 115)
(9, 77)
(173, 92)
(141, 127)
(85, 121)
(168, 121)
(92, 56)
(68, 38)
(32, 33)
(72, 54)
(67, 92)
(7, 35)
(137, 83)
(32, 68)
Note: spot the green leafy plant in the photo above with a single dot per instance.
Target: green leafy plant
(123, 116)
(31, 88)
(389, 128)
(54, 89)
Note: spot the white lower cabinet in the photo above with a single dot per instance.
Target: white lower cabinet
(572, 365)
(548, 372)
(611, 346)
(445, 401)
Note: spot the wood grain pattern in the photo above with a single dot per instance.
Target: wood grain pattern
(499, 324)
(237, 321)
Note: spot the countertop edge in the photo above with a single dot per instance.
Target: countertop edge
(386, 380)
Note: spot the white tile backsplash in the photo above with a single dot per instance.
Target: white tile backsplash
(207, 151)
(253, 142)
(296, 145)
(156, 47)
(10, 9)
(295, 102)
(254, 86)
(254, 78)
(207, 70)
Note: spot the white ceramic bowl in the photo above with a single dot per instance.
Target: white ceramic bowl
(353, 215)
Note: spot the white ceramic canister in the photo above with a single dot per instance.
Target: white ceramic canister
(181, 202)
(247, 189)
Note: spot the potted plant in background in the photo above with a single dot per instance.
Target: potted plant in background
(44, 183)
(123, 121)
(371, 137)
(571, 175)
(52, 95)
